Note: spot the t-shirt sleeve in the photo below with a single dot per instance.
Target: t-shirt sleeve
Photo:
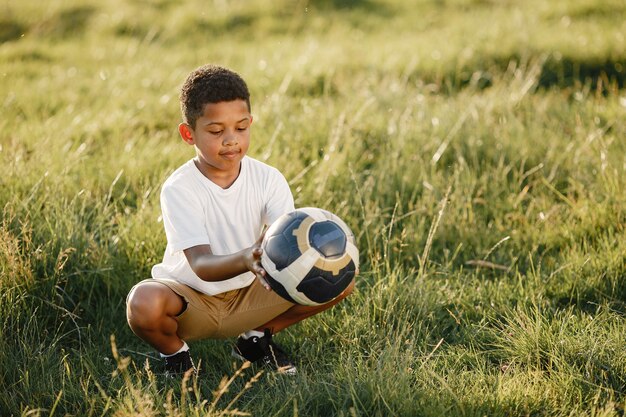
(280, 199)
(183, 219)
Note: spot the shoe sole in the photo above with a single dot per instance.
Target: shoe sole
(285, 370)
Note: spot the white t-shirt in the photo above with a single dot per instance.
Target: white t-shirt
(196, 211)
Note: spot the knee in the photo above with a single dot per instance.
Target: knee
(145, 305)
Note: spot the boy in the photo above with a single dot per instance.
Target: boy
(210, 283)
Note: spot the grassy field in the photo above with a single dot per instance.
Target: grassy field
(476, 147)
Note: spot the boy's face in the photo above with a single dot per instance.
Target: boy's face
(221, 138)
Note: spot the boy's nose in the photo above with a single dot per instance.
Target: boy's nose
(230, 138)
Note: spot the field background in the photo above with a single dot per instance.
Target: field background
(476, 147)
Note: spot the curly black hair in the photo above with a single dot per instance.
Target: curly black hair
(210, 84)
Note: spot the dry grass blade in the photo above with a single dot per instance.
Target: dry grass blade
(423, 260)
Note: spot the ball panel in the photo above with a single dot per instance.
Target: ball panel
(279, 289)
(281, 250)
(345, 228)
(285, 221)
(322, 286)
(327, 238)
(333, 265)
(279, 243)
(318, 214)
(309, 256)
(353, 252)
(301, 233)
(291, 276)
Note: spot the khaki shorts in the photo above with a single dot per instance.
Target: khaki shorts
(227, 314)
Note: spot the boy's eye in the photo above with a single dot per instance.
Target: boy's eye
(215, 132)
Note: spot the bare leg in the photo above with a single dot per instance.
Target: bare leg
(298, 313)
(151, 313)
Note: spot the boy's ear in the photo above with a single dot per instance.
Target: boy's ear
(185, 133)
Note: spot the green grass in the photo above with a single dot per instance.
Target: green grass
(476, 147)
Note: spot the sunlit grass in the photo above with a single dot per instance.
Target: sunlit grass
(475, 147)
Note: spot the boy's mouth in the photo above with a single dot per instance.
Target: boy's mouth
(230, 154)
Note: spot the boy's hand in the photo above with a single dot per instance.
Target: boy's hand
(253, 262)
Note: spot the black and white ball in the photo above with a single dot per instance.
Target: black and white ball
(310, 256)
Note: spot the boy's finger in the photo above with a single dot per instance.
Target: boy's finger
(263, 282)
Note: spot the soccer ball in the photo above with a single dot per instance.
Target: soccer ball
(310, 256)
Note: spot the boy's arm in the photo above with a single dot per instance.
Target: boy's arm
(210, 267)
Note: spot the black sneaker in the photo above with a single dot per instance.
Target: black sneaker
(178, 364)
(263, 350)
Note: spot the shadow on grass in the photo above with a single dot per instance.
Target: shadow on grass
(567, 71)
(364, 5)
(66, 23)
(69, 22)
(237, 23)
(557, 71)
(11, 30)
(607, 290)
